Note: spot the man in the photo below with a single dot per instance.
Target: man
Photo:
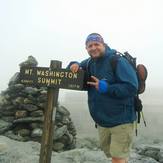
(110, 97)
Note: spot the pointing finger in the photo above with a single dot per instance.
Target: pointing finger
(92, 83)
(94, 78)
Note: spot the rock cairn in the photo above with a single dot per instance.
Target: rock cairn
(22, 114)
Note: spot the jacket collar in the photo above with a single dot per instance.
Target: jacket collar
(108, 53)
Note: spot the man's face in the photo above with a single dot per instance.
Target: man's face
(95, 49)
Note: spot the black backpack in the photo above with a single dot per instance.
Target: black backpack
(141, 72)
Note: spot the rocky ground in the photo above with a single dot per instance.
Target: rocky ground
(87, 151)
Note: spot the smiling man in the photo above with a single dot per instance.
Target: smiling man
(110, 97)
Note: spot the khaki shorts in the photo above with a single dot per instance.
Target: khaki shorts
(116, 141)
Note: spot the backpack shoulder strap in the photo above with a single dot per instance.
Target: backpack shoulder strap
(87, 64)
(114, 61)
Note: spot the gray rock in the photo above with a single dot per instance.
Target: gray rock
(31, 62)
(156, 141)
(7, 96)
(21, 114)
(42, 105)
(11, 135)
(87, 142)
(3, 101)
(23, 132)
(36, 133)
(58, 117)
(37, 113)
(15, 88)
(34, 125)
(28, 120)
(18, 152)
(9, 108)
(42, 98)
(23, 152)
(43, 92)
(81, 156)
(71, 129)
(69, 137)
(160, 156)
(18, 100)
(58, 146)
(8, 113)
(154, 151)
(27, 101)
(4, 126)
(29, 107)
(3, 147)
(65, 120)
(32, 98)
(31, 90)
(8, 118)
(59, 132)
(136, 158)
(63, 110)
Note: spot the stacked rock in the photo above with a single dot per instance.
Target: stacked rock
(22, 114)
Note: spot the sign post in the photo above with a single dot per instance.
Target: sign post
(54, 78)
(48, 127)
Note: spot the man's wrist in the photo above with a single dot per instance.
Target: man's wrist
(103, 86)
(71, 63)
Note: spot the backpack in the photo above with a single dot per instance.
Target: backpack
(142, 73)
(140, 69)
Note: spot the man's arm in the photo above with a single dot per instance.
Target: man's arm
(127, 83)
(83, 65)
(75, 66)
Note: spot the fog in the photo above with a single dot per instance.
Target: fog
(56, 30)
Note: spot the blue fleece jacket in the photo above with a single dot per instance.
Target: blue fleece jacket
(116, 105)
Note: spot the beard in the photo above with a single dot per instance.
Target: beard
(96, 56)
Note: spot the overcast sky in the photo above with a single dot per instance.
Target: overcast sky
(56, 30)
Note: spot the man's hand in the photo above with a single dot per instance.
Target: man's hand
(95, 82)
(100, 85)
(74, 67)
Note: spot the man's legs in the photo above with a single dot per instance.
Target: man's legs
(116, 141)
(121, 142)
(119, 160)
(105, 140)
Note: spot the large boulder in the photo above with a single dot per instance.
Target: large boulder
(22, 114)
(152, 150)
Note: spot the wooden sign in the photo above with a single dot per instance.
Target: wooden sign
(56, 78)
